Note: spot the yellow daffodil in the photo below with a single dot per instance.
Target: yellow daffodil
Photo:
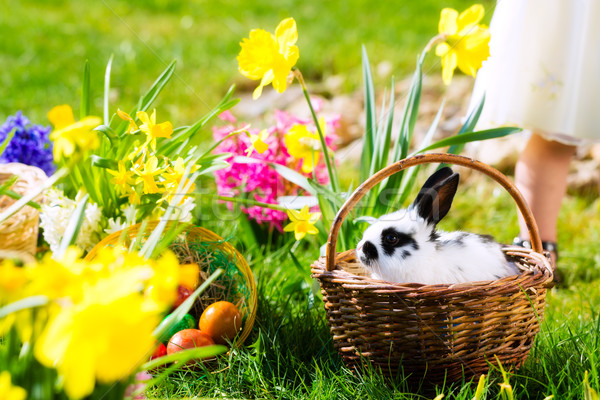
(105, 337)
(70, 136)
(269, 57)
(8, 391)
(104, 331)
(152, 129)
(123, 179)
(303, 222)
(466, 42)
(132, 125)
(147, 174)
(173, 178)
(12, 281)
(258, 143)
(303, 144)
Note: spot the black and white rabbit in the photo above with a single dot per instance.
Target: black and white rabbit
(405, 246)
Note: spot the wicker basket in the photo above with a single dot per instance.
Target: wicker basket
(236, 284)
(20, 231)
(443, 332)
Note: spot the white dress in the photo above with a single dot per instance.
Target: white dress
(543, 73)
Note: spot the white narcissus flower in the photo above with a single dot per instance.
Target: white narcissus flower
(55, 215)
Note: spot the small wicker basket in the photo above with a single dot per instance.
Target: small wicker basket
(443, 332)
(236, 284)
(20, 231)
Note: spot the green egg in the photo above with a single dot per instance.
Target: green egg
(187, 322)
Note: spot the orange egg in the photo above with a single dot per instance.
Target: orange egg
(188, 339)
(222, 321)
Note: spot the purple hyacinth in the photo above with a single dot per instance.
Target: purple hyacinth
(30, 145)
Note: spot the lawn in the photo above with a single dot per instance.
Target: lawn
(44, 45)
(290, 354)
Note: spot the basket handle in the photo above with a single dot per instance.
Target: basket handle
(426, 159)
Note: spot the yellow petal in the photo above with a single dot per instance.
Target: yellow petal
(448, 24)
(290, 227)
(143, 116)
(299, 235)
(469, 18)
(164, 130)
(266, 79)
(286, 34)
(61, 116)
(294, 215)
(449, 62)
(260, 146)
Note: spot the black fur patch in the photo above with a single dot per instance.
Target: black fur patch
(370, 251)
(434, 236)
(399, 240)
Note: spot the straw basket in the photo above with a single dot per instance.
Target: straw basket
(209, 251)
(437, 331)
(20, 231)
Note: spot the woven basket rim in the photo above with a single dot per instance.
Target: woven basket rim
(538, 271)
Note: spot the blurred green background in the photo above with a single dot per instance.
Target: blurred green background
(44, 44)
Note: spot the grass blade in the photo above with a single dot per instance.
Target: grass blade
(86, 99)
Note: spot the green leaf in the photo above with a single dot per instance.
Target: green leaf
(184, 356)
(468, 126)
(102, 162)
(178, 141)
(107, 89)
(7, 184)
(6, 141)
(156, 88)
(407, 125)
(470, 137)
(184, 307)
(86, 98)
(109, 133)
(17, 196)
(371, 118)
(73, 226)
(409, 180)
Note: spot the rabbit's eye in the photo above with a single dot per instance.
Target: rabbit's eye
(391, 238)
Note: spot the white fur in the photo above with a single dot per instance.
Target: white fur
(447, 262)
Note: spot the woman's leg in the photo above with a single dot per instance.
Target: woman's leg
(541, 176)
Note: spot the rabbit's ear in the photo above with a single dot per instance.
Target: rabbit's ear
(435, 197)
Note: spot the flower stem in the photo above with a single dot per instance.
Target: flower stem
(330, 170)
(251, 202)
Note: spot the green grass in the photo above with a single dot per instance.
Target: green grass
(290, 354)
(44, 45)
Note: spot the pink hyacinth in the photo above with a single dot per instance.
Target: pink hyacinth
(257, 180)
